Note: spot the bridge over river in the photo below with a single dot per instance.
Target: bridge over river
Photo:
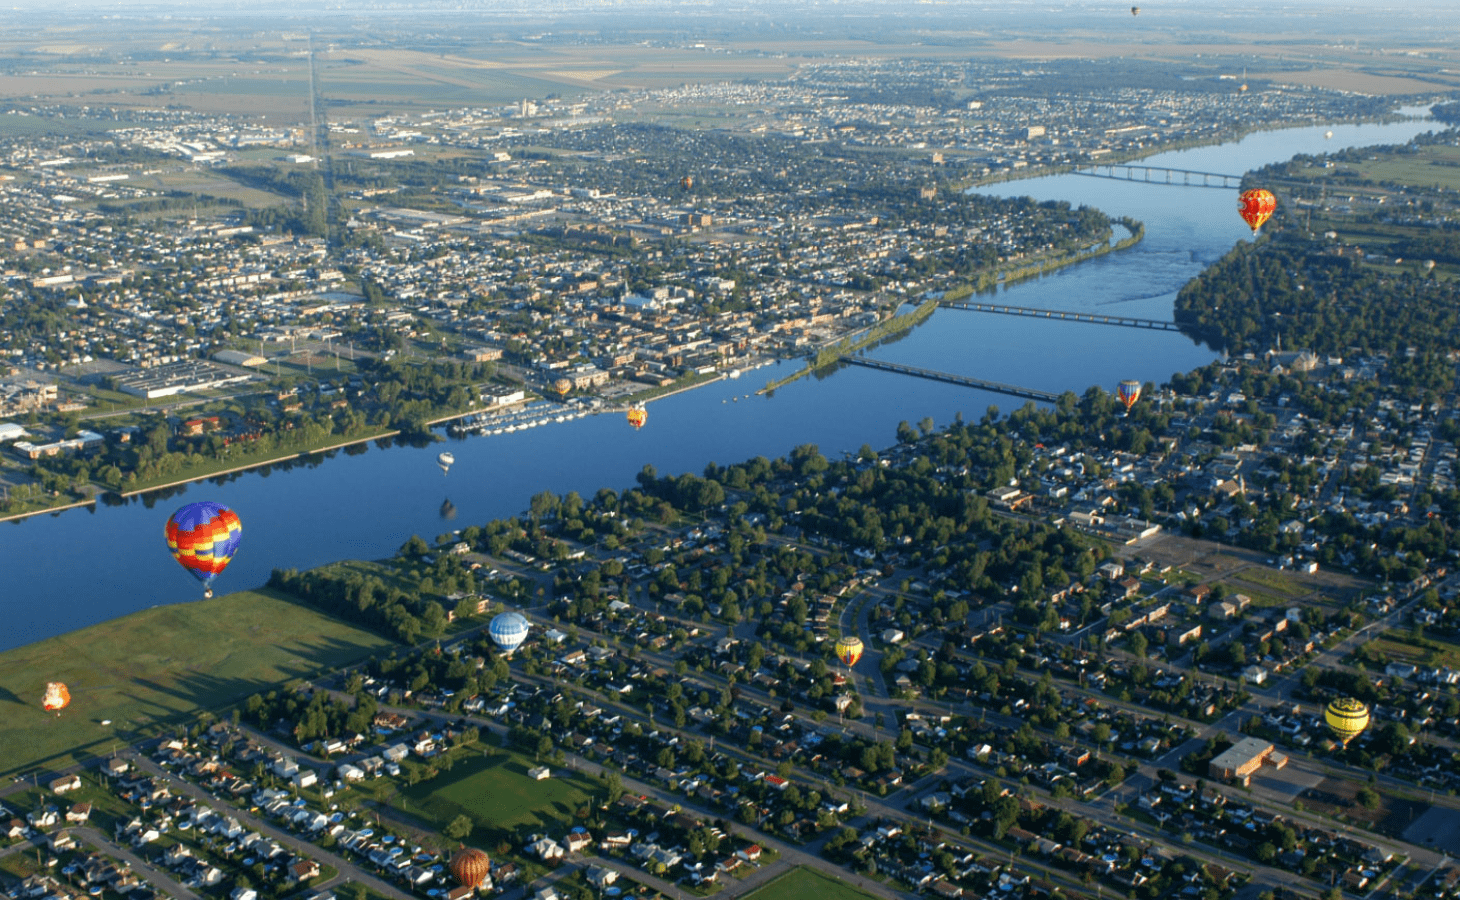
(1160, 175)
(981, 384)
(1093, 318)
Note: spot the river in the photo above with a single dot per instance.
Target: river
(73, 568)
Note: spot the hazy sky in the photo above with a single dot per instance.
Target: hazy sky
(1430, 23)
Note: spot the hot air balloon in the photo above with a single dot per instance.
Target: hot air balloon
(203, 538)
(56, 698)
(1327, 135)
(509, 630)
(1135, 10)
(1346, 718)
(562, 386)
(445, 460)
(687, 182)
(1128, 393)
(849, 650)
(637, 416)
(1255, 207)
(470, 867)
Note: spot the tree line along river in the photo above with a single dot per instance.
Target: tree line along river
(69, 569)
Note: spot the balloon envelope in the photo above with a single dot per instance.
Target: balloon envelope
(203, 538)
(470, 866)
(849, 650)
(57, 696)
(1346, 718)
(638, 416)
(1128, 393)
(1255, 207)
(509, 630)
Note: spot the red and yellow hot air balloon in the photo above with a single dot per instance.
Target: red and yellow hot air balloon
(637, 416)
(470, 866)
(1128, 393)
(562, 386)
(849, 650)
(57, 697)
(203, 538)
(1255, 207)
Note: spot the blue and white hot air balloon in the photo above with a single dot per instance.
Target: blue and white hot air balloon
(509, 630)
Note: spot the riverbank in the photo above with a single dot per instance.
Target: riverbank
(15, 517)
(829, 355)
(1028, 174)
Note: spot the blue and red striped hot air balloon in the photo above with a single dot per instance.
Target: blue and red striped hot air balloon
(203, 538)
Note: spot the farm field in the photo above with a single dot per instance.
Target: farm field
(150, 670)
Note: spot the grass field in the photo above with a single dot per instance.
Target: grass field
(157, 667)
(494, 790)
(801, 883)
(1399, 646)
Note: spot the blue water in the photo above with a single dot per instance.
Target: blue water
(65, 570)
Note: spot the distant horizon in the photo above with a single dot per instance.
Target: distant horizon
(1299, 26)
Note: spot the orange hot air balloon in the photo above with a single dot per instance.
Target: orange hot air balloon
(849, 650)
(637, 416)
(470, 867)
(562, 386)
(57, 697)
(1256, 207)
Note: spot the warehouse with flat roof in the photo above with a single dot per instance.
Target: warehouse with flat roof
(1239, 761)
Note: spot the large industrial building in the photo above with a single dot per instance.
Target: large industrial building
(1239, 761)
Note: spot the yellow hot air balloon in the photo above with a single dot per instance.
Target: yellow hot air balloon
(562, 386)
(470, 866)
(637, 416)
(1346, 718)
(849, 650)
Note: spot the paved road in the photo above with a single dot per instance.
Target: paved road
(155, 877)
(301, 847)
(788, 852)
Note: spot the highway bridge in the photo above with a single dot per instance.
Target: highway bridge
(1068, 315)
(981, 384)
(1160, 175)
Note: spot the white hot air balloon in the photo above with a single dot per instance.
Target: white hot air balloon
(509, 630)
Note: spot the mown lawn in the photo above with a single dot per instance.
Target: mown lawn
(801, 883)
(158, 667)
(494, 790)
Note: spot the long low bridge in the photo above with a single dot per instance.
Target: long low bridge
(1068, 315)
(981, 384)
(1160, 175)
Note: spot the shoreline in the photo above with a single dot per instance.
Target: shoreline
(16, 517)
(301, 454)
(1174, 146)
